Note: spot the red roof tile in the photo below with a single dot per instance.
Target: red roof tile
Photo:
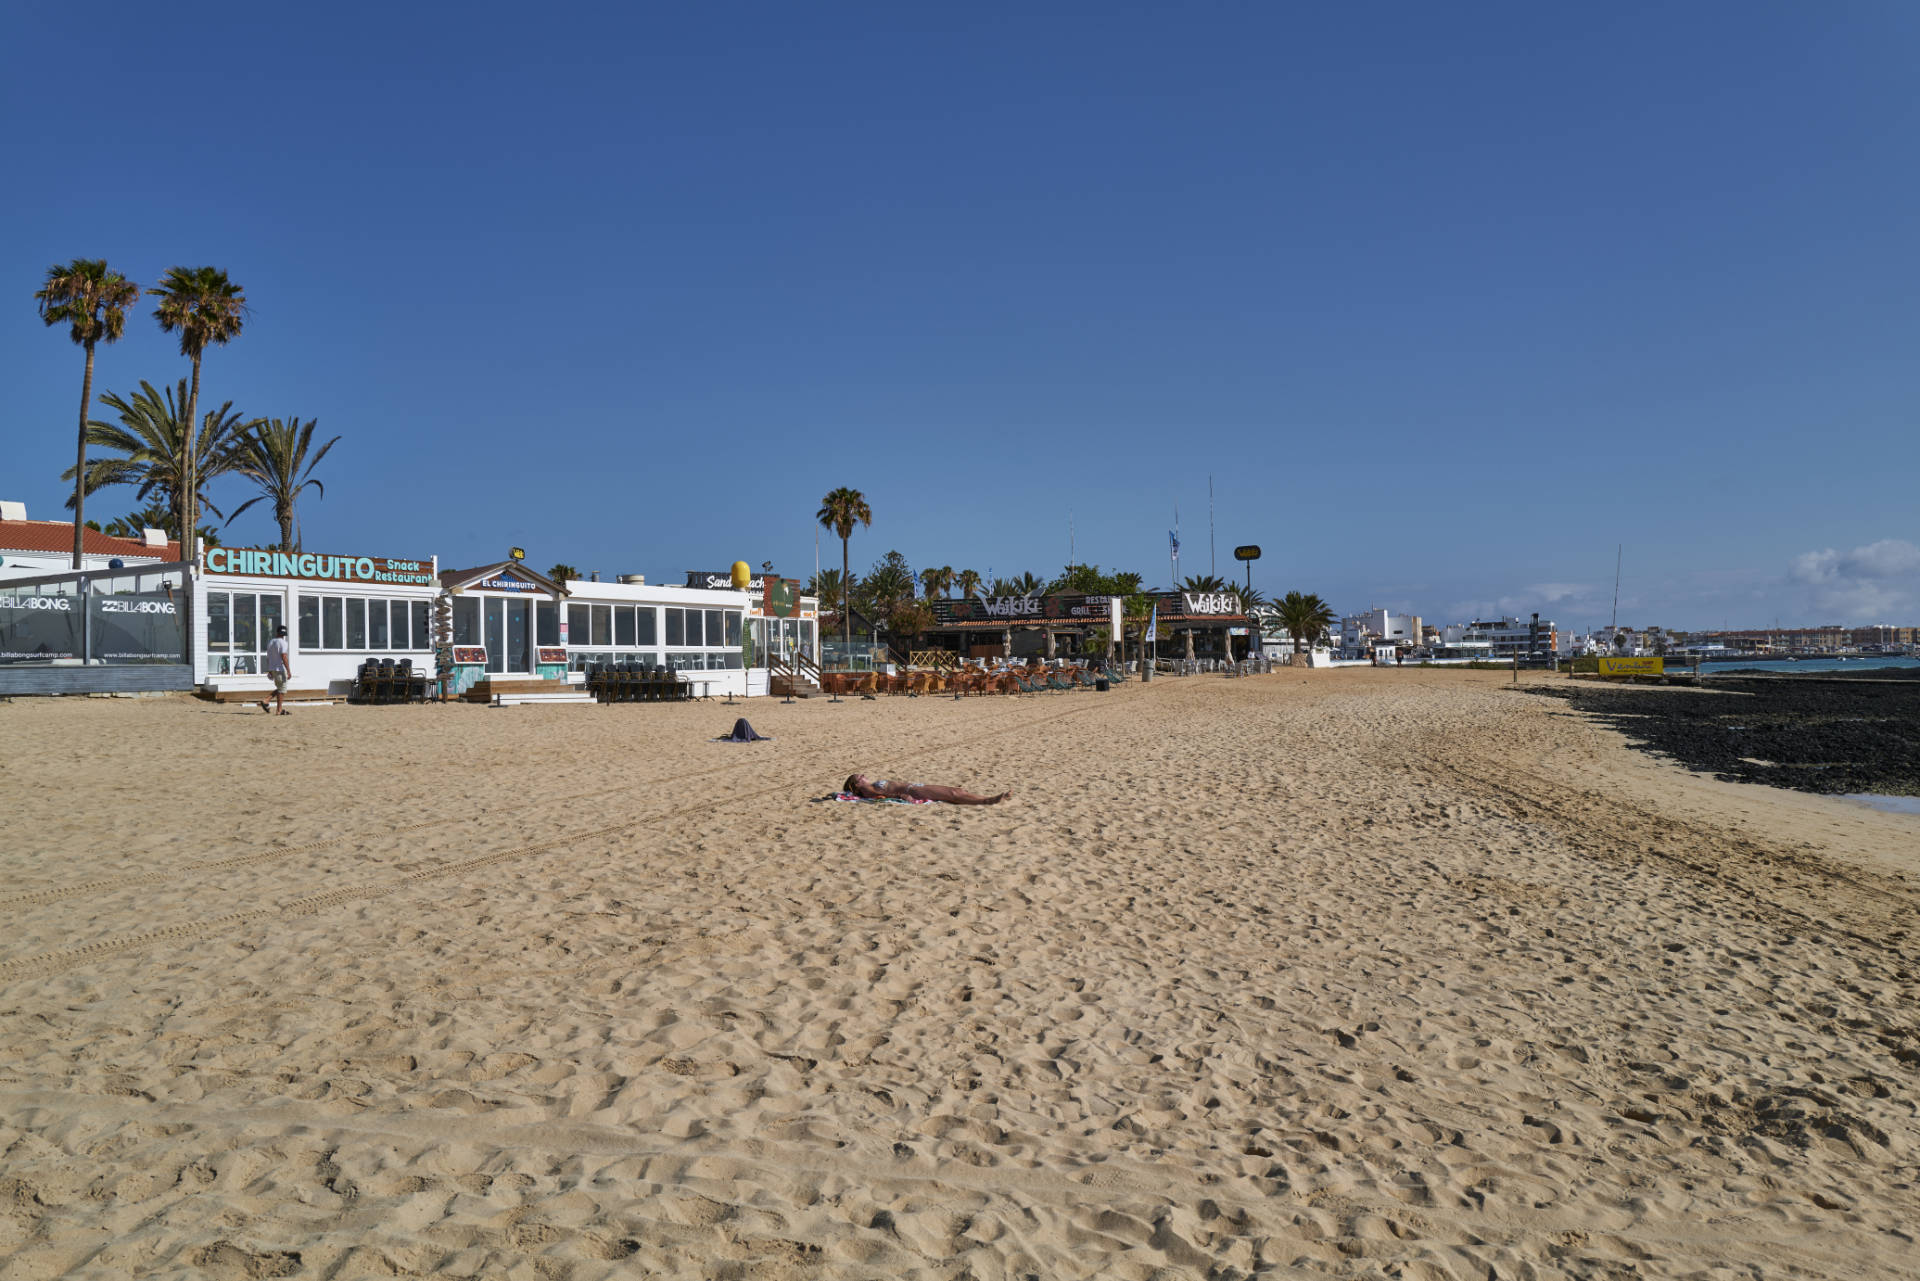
(57, 536)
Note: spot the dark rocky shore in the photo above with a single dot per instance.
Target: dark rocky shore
(1810, 733)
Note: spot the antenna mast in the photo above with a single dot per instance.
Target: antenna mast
(1617, 554)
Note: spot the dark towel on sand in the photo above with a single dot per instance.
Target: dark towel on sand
(743, 733)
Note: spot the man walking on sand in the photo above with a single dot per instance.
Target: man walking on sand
(278, 669)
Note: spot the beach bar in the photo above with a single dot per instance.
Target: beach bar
(339, 611)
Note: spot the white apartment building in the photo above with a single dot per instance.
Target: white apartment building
(1508, 636)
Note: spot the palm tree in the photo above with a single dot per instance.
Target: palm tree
(1251, 599)
(937, 582)
(1028, 584)
(563, 572)
(134, 524)
(840, 511)
(968, 581)
(1205, 583)
(1306, 618)
(205, 307)
(273, 455)
(92, 302)
(155, 457)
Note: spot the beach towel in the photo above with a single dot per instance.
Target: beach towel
(880, 800)
(743, 733)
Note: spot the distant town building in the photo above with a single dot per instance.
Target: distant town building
(1508, 636)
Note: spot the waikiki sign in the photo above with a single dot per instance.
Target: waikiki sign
(258, 562)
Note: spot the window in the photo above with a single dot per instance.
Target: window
(332, 632)
(270, 619)
(356, 624)
(695, 630)
(422, 636)
(309, 622)
(623, 625)
(733, 629)
(546, 623)
(579, 625)
(716, 632)
(676, 627)
(217, 624)
(466, 620)
(603, 624)
(377, 624)
(649, 626)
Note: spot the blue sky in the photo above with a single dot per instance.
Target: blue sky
(1448, 301)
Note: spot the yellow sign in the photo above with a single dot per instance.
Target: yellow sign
(1633, 667)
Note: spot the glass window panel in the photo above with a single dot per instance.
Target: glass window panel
(376, 624)
(579, 625)
(733, 628)
(422, 635)
(519, 613)
(546, 624)
(333, 633)
(716, 630)
(356, 623)
(696, 629)
(676, 627)
(243, 633)
(496, 642)
(649, 625)
(603, 624)
(270, 619)
(732, 660)
(466, 620)
(623, 625)
(217, 627)
(309, 622)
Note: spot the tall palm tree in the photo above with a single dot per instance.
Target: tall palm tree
(968, 581)
(1306, 617)
(1028, 584)
(1205, 583)
(205, 308)
(273, 455)
(92, 302)
(155, 456)
(840, 511)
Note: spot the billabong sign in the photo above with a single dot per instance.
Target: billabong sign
(262, 563)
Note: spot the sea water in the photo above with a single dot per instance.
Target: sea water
(1891, 804)
(1799, 666)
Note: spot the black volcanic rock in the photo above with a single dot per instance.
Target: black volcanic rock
(1809, 733)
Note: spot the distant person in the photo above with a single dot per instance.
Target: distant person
(880, 789)
(279, 669)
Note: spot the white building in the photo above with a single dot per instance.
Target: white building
(33, 548)
(1508, 636)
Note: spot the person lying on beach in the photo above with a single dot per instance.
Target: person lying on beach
(879, 789)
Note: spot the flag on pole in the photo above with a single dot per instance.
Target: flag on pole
(1153, 624)
(1173, 544)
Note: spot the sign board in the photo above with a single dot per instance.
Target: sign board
(715, 581)
(261, 563)
(1633, 667)
(469, 653)
(552, 654)
(1210, 602)
(1023, 609)
(1250, 552)
(780, 597)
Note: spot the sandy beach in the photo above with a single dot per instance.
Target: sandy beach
(1348, 973)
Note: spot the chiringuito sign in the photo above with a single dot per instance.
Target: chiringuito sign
(262, 563)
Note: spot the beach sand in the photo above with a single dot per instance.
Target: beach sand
(1345, 973)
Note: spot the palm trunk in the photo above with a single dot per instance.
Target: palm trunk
(846, 605)
(80, 468)
(286, 529)
(189, 516)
